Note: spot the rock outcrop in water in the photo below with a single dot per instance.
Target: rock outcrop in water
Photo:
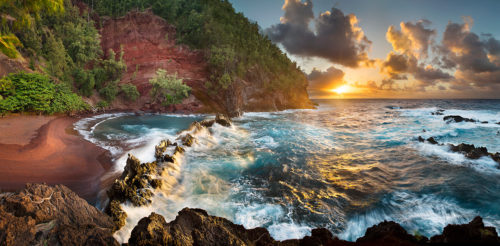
(51, 215)
(133, 186)
(457, 119)
(137, 181)
(196, 227)
(468, 150)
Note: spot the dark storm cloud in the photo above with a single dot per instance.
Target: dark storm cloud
(476, 58)
(330, 78)
(397, 66)
(335, 37)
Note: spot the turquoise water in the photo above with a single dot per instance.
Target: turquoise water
(346, 166)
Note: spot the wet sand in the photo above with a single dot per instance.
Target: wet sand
(55, 155)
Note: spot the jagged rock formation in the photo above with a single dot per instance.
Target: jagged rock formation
(474, 233)
(46, 215)
(196, 227)
(138, 180)
(148, 42)
(468, 150)
(389, 233)
(132, 186)
(457, 119)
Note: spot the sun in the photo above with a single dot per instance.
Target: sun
(341, 89)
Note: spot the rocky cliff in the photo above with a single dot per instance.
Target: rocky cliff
(149, 43)
(45, 215)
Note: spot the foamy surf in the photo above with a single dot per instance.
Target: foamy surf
(346, 167)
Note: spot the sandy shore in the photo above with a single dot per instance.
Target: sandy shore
(55, 155)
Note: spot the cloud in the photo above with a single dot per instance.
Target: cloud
(398, 66)
(476, 59)
(411, 45)
(336, 37)
(331, 78)
(413, 39)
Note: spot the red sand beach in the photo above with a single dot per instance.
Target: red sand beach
(55, 154)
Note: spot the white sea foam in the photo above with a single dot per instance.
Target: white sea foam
(484, 164)
(86, 127)
(280, 226)
(423, 214)
(267, 141)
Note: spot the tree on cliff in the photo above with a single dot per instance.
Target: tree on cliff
(17, 16)
(234, 46)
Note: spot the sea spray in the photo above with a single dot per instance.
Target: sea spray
(290, 171)
(135, 186)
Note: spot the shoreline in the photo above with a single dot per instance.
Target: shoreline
(56, 154)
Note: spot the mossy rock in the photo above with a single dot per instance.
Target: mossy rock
(117, 214)
(156, 183)
(207, 123)
(188, 140)
(179, 149)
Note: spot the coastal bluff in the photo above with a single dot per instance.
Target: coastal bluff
(55, 215)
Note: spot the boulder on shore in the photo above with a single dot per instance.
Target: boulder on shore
(474, 233)
(52, 215)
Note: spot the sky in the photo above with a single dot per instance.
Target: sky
(387, 48)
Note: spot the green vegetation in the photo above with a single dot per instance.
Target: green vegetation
(130, 91)
(61, 42)
(33, 92)
(19, 16)
(234, 46)
(168, 89)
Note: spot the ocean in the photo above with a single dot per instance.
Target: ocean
(345, 166)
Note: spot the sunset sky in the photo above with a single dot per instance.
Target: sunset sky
(387, 49)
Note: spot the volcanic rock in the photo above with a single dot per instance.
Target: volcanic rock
(195, 227)
(161, 148)
(188, 140)
(438, 112)
(207, 123)
(469, 150)
(222, 120)
(474, 233)
(431, 140)
(133, 186)
(457, 119)
(388, 233)
(45, 215)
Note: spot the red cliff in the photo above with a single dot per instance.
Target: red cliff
(149, 44)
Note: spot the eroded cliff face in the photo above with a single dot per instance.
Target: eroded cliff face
(149, 44)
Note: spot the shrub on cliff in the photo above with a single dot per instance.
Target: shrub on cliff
(130, 91)
(37, 93)
(168, 89)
